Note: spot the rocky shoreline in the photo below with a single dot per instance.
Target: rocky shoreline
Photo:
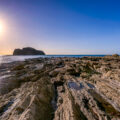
(85, 88)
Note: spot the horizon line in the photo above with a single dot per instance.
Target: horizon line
(58, 54)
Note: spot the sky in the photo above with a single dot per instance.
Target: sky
(61, 26)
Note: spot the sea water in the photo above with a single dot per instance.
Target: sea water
(10, 58)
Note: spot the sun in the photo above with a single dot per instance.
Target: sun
(1, 28)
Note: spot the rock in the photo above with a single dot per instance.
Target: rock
(115, 55)
(28, 51)
(61, 89)
(111, 56)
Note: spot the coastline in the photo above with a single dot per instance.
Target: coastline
(86, 88)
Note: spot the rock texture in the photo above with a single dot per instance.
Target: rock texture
(61, 89)
(28, 51)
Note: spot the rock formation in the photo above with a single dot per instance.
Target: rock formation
(61, 89)
(28, 51)
(115, 55)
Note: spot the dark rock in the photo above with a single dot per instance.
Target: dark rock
(115, 55)
(28, 51)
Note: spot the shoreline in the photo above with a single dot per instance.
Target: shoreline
(89, 86)
(12, 58)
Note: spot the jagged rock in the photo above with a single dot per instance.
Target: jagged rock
(28, 51)
(61, 89)
(115, 55)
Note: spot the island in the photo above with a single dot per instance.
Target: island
(28, 51)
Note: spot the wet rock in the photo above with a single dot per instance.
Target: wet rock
(75, 86)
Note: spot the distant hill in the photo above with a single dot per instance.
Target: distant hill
(28, 51)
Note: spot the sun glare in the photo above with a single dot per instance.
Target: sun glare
(1, 28)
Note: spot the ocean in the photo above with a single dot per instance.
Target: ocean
(10, 58)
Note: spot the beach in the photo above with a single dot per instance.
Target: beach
(61, 88)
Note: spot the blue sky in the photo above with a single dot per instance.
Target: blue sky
(61, 26)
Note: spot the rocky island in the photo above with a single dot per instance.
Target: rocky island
(85, 88)
(28, 51)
